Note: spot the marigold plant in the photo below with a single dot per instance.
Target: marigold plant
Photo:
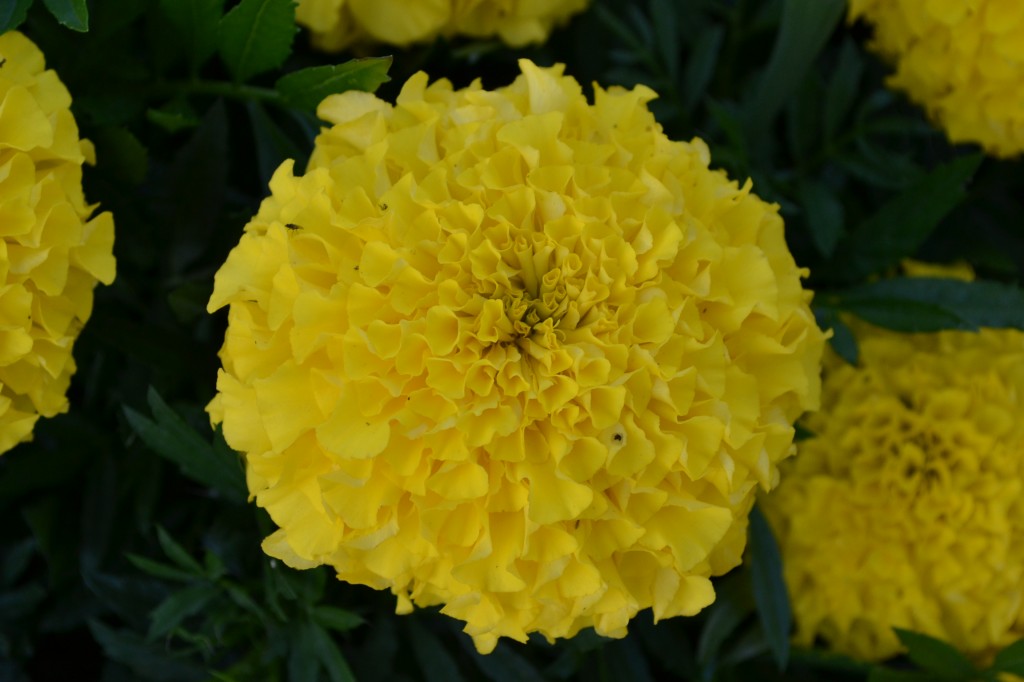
(962, 61)
(52, 252)
(336, 24)
(905, 509)
(513, 353)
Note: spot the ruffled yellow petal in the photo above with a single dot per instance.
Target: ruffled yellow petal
(521, 355)
(52, 250)
(905, 508)
(337, 24)
(962, 60)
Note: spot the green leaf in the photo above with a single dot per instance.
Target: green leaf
(159, 570)
(1010, 659)
(173, 117)
(172, 438)
(256, 36)
(769, 588)
(118, 150)
(330, 657)
(666, 31)
(881, 674)
(701, 65)
(842, 87)
(305, 89)
(12, 14)
(902, 225)
(923, 304)
(71, 13)
(19, 603)
(935, 656)
(806, 27)
(336, 619)
(149, 660)
(273, 146)
(843, 342)
(179, 606)
(431, 656)
(197, 23)
(303, 664)
(177, 553)
(733, 603)
(824, 213)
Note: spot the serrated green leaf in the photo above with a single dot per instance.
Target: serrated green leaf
(256, 36)
(824, 213)
(336, 619)
(805, 28)
(171, 437)
(177, 553)
(179, 606)
(1010, 659)
(902, 225)
(12, 14)
(330, 657)
(71, 13)
(197, 23)
(159, 570)
(937, 657)
(305, 89)
(924, 304)
(770, 591)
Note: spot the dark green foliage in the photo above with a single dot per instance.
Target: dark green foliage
(129, 550)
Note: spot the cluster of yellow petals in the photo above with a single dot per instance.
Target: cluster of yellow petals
(906, 508)
(513, 353)
(963, 60)
(51, 252)
(337, 24)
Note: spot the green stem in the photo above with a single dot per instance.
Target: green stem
(226, 89)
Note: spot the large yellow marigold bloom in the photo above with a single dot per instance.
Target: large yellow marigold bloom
(336, 24)
(963, 60)
(906, 509)
(513, 353)
(51, 252)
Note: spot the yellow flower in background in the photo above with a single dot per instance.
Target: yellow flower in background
(962, 60)
(337, 24)
(52, 249)
(905, 509)
(513, 353)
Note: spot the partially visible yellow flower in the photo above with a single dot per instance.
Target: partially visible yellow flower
(906, 507)
(513, 353)
(51, 251)
(963, 60)
(336, 24)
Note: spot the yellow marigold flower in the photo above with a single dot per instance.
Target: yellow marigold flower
(51, 251)
(963, 60)
(905, 507)
(336, 24)
(513, 353)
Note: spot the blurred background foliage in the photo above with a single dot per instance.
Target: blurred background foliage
(128, 550)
